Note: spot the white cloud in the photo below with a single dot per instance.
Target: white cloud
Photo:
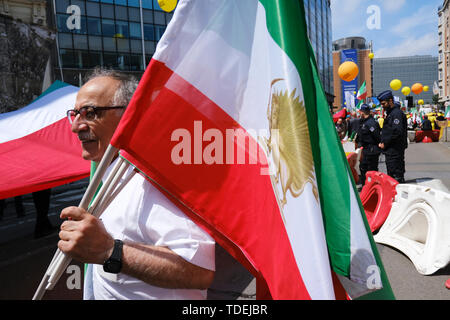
(392, 6)
(425, 15)
(426, 44)
(348, 17)
(344, 10)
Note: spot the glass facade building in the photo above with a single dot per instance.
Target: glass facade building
(318, 20)
(118, 34)
(122, 34)
(409, 70)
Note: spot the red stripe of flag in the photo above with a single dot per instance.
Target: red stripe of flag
(235, 203)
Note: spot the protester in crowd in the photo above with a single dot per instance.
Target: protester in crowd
(426, 124)
(143, 247)
(394, 136)
(41, 199)
(368, 137)
(341, 128)
(20, 211)
(43, 225)
(353, 125)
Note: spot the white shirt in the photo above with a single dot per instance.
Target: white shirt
(141, 213)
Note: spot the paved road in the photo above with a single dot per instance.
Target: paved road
(23, 260)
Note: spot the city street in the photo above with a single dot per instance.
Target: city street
(23, 259)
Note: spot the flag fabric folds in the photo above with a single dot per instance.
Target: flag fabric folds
(362, 92)
(37, 148)
(230, 121)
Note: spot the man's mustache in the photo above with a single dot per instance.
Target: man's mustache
(84, 136)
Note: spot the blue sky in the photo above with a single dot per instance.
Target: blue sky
(406, 28)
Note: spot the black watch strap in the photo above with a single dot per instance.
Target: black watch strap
(114, 262)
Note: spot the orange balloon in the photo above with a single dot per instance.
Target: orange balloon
(348, 71)
(417, 88)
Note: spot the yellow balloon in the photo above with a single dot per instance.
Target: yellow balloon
(420, 102)
(395, 84)
(406, 90)
(371, 55)
(348, 70)
(167, 5)
(425, 88)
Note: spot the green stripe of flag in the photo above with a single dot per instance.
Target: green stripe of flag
(287, 27)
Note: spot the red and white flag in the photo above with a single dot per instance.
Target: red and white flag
(37, 148)
(230, 122)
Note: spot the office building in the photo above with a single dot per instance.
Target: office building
(443, 57)
(318, 20)
(118, 34)
(409, 70)
(355, 49)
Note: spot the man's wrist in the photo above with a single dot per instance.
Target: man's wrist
(109, 251)
(114, 263)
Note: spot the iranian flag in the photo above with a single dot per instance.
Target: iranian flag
(362, 92)
(37, 148)
(230, 122)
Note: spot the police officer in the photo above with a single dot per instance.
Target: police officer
(393, 136)
(368, 137)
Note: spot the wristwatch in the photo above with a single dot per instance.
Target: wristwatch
(114, 263)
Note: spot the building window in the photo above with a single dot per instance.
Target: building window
(107, 11)
(67, 59)
(122, 29)
(80, 41)
(108, 28)
(61, 22)
(95, 43)
(149, 33)
(136, 62)
(94, 59)
(134, 14)
(147, 4)
(121, 13)
(94, 26)
(133, 3)
(136, 46)
(123, 45)
(93, 9)
(110, 60)
(135, 30)
(109, 44)
(65, 40)
(159, 31)
(61, 6)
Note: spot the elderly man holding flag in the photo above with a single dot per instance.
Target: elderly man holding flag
(143, 247)
(230, 122)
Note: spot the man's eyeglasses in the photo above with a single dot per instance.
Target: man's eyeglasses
(88, 113)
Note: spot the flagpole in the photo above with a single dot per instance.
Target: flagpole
(50, 279)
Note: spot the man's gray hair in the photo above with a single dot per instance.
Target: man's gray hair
(127, 84)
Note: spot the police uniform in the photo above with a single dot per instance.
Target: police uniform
(394, 135)
(368, 137)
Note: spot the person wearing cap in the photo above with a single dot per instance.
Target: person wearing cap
(368, 137)
(394, 135)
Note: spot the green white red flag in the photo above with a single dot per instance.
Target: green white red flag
(230, 121)
(362, 92)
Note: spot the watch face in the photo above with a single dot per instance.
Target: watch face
(112, 266)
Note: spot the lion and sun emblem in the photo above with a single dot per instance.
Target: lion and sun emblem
(289, 145)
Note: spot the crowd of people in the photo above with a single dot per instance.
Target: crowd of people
(378, 135)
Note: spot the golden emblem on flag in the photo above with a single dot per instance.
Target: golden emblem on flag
(289, 144)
